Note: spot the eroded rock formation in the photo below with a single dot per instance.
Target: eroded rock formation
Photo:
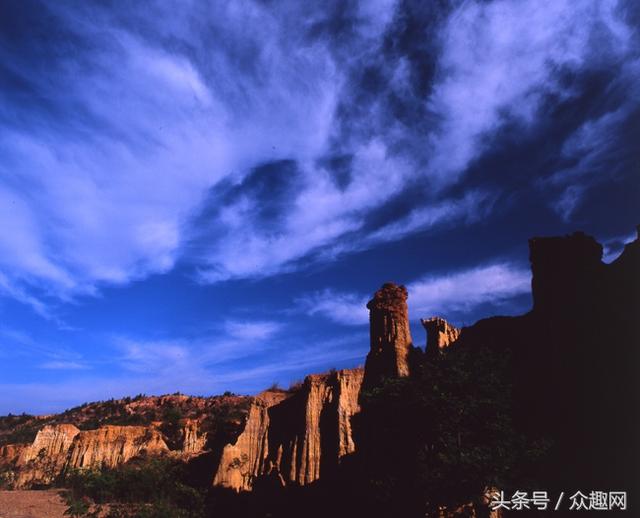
(311, 430)
(58, 448)
(569, 355)
(576, 352)
(10, 453)
(244, 460)
(297, 436)
(111, 445)
(51, 442)
(440, 334)
(390, 335)
(193, 440)
(43, 460)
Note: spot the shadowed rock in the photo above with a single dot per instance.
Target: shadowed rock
(391, 343)
(440, 334)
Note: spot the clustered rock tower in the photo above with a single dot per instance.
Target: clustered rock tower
(391, 343)
(440, 334)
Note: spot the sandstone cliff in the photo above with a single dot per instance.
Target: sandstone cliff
(312, 431)
(10, 453)
(59, 448)
(243, 461)
(295, 436)
(193, 439)
(110, 446)
(46, 457)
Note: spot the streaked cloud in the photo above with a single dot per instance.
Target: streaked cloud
(462, 291)
(458, 292)
(63, 365)
(117, 167)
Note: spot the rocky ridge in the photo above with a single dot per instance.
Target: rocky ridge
(299, 436)
(58, 448)
(294, 437)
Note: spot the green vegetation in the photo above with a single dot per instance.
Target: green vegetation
(16, 429)
(171, 426)
(148, 488)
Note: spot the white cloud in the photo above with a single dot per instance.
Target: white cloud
(249, 330)
(464, 290)
(112, 184)
(613, 246)
(470, 207)
(105, 190)
(457, 292)
(343, 308)
(596, 149)
(501, 59)
(318, 214)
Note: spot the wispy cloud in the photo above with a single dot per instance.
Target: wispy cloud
(597, 151)
(613, 246)
(343, 308)
(502, 60)
(250, 330)
(63, 365)
(161, 368)
(458, 293)
(18, 343)
(135, 122)
(462, 291)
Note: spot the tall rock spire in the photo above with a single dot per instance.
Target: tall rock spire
(391, 341)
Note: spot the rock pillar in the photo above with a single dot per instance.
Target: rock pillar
(391, 342)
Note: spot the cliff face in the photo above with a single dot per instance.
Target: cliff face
(58, 448)
(193, 440)
(211, 413)
(46, 457)
(51, 441)
(10, 453)
(244, 460)
(390, 335)
(295, 437)
(312, 431)
(110, 446)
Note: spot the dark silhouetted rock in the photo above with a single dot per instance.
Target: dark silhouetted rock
(391, 343)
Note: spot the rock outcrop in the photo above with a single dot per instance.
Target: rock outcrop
(440, 334)
(295, 437)
(51, 441)
(10, 453)
(110, 446)
(390, 335)
(312, 431)
(59, 448)
(193, 440)
(244, 460)
(43, 460)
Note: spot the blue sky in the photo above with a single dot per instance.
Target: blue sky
(201, 196)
